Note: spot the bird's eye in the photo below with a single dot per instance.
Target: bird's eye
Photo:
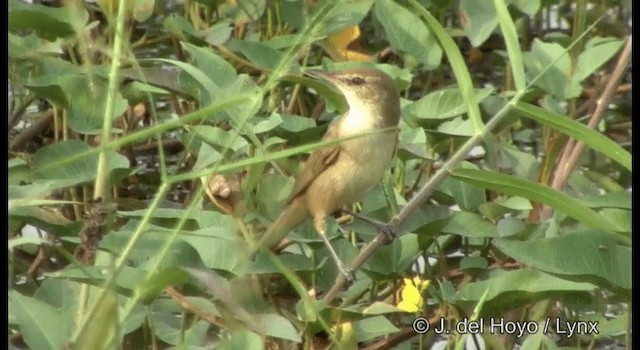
(357, 81)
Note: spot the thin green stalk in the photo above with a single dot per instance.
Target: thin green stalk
(102, 178)
(120, 263)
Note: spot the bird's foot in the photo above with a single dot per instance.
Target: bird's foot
(390, 230)
(349, 277)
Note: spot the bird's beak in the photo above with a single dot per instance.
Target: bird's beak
(316, 73)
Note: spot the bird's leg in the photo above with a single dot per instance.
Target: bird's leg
(321, 227)
(390, 230)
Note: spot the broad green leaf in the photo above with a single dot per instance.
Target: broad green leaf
(469, 225)
(576, 255)
(206, 86)
(515, 203)
(278, 326)
(621, 218)
(218, 137)
(529, 7)
(473, 262)
(150, 243)
(479, 19)
(395, 257)
(373, 327)
(221, 72)
(534, 191)
(74, 172)
(380, 308)
(343, 14)
(556, 79)
(442, 104)
(508, 289)
(457, 127)
(406, 33)
(242, 339)
(182, 28)
(577, 130)
(242, 11)
(621, 200)
(105, 326)
(460, 71)
(42, 326)
(526, 281)
(219, 33)
(207, 156)
(143, 9)
(87, 98)
(126, 281)
(260, 54)
(596, 53)
(32, 47)
(48, 22)
(219, 247)
(467, 197)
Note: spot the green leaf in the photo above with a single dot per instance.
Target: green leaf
(242, 11)
(479, 19)
(467, 197)
(219, 247)
(391, 259)
(621, 200)
(151, 287)
(87, 98)
(105, 326)
(278, 326)
(443, 104)
(576, 255)
(242, 339)
(32, 47)
(48, 22)
(150, 243)
(207, 155)
(373, 327)
(596, 53)
(534, 191)
(406, 33)
(74, 172)
(219, 33)
(519, 286)
(222, 73)
(460, 71)
(260, 54)
(555, 79)
(42, 326)
(456, 127)
(577, 130)
(528, 7)
(343, 14)
(469, 225)
(218, 137)
(143, 9)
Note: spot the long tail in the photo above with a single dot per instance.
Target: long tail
(292, 216)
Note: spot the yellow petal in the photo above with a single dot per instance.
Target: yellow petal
(339, 41)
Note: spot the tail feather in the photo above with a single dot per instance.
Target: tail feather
(293, 215)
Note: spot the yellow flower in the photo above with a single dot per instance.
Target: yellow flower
(411, 296)
(338, 45)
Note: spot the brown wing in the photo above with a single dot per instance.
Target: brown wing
(318, 162)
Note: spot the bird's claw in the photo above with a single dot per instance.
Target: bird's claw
(349, 276)
(389, 230)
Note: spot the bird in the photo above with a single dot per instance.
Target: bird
(341, 175)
